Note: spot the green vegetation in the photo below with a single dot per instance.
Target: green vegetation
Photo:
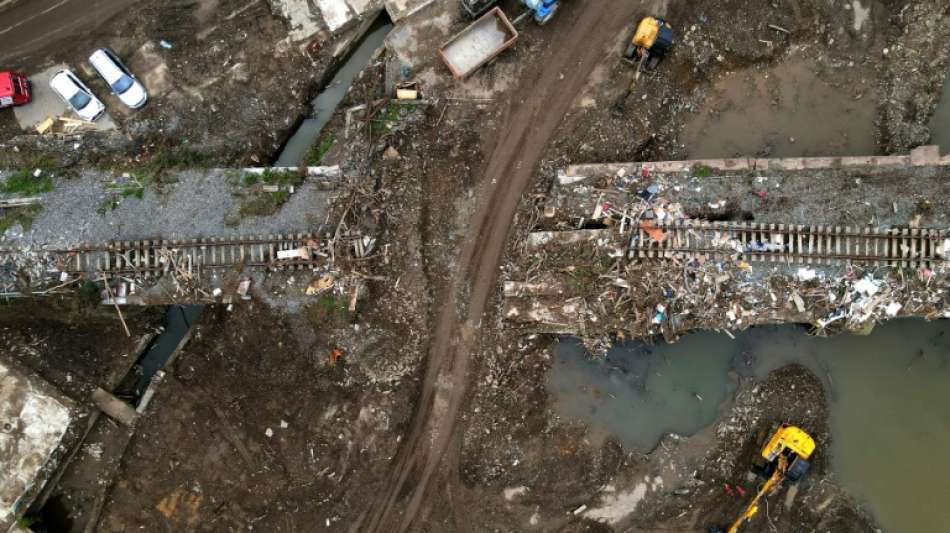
(131, 189)
(379, 125)
(702, 171)
(259, 202)
(18, 215)
(156, 170)
(319, 150)
(89, 292)
(283, 178)
(263, 204)
(24, 183)
(177, 159)
(328, 309)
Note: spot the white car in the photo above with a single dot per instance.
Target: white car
(76, 95)
(120, 80)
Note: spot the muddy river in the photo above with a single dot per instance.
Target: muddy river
(789, 110)
(889, 394)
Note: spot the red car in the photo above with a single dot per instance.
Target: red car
(14, 89)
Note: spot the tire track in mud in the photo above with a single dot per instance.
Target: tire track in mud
(581, 36)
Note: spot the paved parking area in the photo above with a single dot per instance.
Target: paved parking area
(46, 104)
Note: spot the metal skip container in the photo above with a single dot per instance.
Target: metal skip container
(478, 44)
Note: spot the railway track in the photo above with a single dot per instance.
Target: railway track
(154, 258)
(820, 245)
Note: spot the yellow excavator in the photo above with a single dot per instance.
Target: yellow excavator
(652, 39)
(784, 456)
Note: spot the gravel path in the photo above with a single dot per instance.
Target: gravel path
(195, 207)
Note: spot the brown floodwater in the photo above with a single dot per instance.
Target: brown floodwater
(787, 110)
(889, 398)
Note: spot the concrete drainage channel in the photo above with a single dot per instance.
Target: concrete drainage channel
(74, 500)
(295, 150)
(940, 124)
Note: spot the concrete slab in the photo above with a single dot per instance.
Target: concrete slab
(34, 418)
(305, 21)
(364, 8)
(400, 9)
(920, 157)
(150, 68)
(336, 13)
(45, 103)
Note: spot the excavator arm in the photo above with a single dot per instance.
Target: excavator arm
(775, 480)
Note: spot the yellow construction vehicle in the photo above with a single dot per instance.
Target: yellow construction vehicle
(651, 41)
(784, 456)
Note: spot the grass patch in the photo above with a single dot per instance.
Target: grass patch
(130, 189)
(392, 112)
(283, 178)
(328, 309)
(702, 171)
(261, 203)
(319, 151)
(24, 183)
(157, 169)
(18, 215)
(178, 159)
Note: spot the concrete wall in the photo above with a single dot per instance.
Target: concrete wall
(919, 157)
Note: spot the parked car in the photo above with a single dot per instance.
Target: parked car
(76, 95)
(120, 80)
(14, 89)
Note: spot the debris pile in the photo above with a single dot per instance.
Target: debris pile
(587, 274)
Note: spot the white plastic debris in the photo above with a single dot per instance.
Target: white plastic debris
(868, 286)
(269, 432)
(893, 308)
(807, 274)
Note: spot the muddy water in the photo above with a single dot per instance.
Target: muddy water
(178, 321)
(889, 395)
(325, 104)
(640, 392)
(787, 111)
(940, 124)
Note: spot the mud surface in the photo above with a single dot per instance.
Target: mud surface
(437, 418)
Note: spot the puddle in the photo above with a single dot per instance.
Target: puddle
(890, 402)
(178, 321)
(785, 111)
(325, 104)
(638, 393)
(940, 123)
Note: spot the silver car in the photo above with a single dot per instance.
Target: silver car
(76, 95)
(120, 80)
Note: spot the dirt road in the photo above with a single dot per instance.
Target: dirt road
(578, 39)
(29, 27)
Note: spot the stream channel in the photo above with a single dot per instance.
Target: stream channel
(889, 397)
(940, 123)
(324, 105)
